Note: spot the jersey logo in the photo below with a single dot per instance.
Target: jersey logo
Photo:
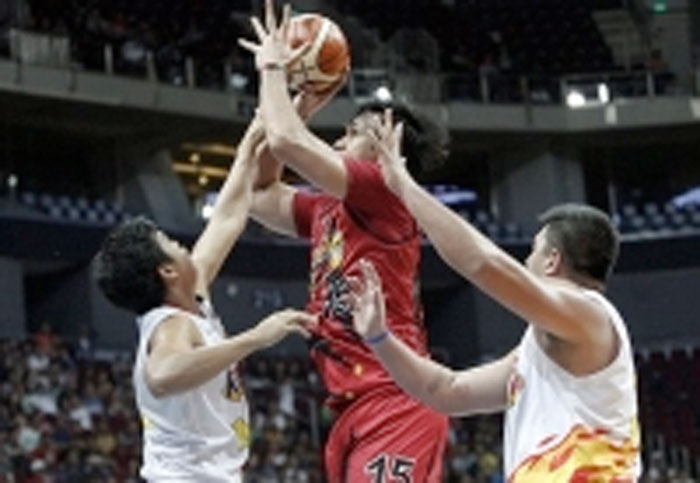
(234, 388)
(147, 423)
(242, 430)
(328, 253)
(327, 272)
(516, 384)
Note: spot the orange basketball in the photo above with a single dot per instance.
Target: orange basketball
(328, 58)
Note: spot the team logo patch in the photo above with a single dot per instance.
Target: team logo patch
(516, 384)
(242, 430)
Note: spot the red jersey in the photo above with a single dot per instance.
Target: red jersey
(369, 223)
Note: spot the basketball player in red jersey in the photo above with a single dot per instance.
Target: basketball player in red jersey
(380, 434)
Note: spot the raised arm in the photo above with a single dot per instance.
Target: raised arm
(272, 198)
(546, 304)
(230, 211)
(289, 138)
(273, 208)
(482, 389)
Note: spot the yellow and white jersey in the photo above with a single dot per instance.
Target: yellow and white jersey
(197, 435)
(563, 428)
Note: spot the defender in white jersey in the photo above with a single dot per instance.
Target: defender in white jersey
(192, 405)
(569, 387)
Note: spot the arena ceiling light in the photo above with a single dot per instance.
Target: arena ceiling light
(588, 95)
(383, 94)
(575, 99)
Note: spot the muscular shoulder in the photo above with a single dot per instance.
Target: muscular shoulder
(597, 342)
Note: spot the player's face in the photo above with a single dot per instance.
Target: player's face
(180, 256)
(356, 143)
(539, 258)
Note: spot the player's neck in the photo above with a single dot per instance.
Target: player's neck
(182, 300)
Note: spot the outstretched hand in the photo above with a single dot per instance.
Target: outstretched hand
(273, 50)
(278, 325)
(367, 301)
(386, 138)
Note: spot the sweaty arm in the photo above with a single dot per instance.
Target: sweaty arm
(545, 304)
(230, 212)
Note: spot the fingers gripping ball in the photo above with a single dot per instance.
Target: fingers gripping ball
(326, 60)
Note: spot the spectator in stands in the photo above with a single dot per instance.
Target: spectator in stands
(184, 363)
(490, 73)
(84, 343)
(570, 385)
(44, 338)
(659, 68)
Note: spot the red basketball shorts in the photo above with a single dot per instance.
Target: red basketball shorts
(386, 437)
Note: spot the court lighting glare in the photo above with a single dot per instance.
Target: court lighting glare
(603, 93)
(575, 98)
(207, 211)
(383, 94)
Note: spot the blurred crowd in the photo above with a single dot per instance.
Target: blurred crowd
(67, 414)
(144, 35)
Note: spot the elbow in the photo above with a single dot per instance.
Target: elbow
(160, 385)
(440, 395)
(159, 389)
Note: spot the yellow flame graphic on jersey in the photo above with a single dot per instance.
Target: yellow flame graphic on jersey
(332, 249)
(584, 456)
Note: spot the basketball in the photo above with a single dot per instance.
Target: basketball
(328, 58)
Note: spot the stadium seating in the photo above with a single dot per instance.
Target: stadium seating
(481, 28)
(668, 395)
(168, 31)
(73, 209)
(651, 218)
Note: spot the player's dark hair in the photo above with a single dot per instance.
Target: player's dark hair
(424, 143)
(586, 238)
(126, 267)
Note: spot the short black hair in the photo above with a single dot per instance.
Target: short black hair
(126, 267)
(425, 142)
(585, 236)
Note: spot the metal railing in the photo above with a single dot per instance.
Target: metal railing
(491, 88)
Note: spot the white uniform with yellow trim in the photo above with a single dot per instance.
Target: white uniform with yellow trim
(560, 427)
(198, 435)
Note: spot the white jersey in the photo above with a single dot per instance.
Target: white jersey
(560, 427)
(197, 435)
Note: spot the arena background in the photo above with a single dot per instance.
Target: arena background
(114, 108)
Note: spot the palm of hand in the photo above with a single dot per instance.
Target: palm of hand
(369, 302)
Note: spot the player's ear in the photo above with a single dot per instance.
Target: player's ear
(553, 262)
(167, 272)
